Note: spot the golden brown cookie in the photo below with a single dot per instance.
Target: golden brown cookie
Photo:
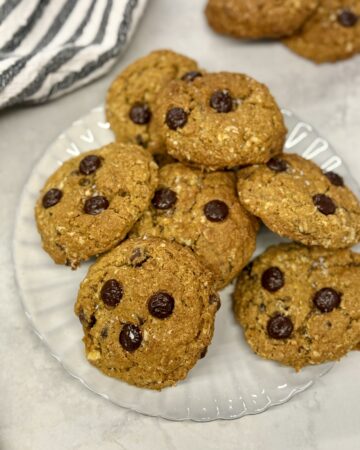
(147, 310)
(90, 203)
(219, 120)
(131, 97)
(256, 19)
(295, 199)
(300, 305)
(331, 34)
(202, 211)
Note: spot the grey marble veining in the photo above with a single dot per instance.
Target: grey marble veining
(41, 407)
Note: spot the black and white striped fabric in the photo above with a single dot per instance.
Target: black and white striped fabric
(50, 47)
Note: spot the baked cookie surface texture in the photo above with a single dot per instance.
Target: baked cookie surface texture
(256, 19)
(202, 211)
(147, 310)
(295, 199)
(300, 305)
(91, 202)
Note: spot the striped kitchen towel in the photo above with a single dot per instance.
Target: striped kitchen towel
(50, 47)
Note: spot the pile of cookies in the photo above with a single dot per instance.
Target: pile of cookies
(320, 30)
(174, 206)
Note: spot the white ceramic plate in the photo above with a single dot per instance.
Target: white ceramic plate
(231, 381)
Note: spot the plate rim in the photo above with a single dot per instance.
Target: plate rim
(20, 294)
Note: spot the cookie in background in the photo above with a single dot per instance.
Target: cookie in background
(259, 19)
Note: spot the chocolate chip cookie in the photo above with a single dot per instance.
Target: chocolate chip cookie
(300, 305)
(131, 96)
(295, 199)
(147, 310)
(220, 120)
(259, 18)
(331, 34)
(202, 211)
(90, 203)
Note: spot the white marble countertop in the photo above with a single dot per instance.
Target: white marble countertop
(44, 408)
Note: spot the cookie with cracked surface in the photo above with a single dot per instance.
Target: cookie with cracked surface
(147, 309)
(300, 305)
(131, 97)
(255, 19)
(202, 211)
(90, 203)
(295, 199)
(220, 120)
(331, 34)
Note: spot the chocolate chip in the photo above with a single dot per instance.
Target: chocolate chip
(203, 352)
(96, 205)
(216, 211)
(190, 76)
(140, 113)
(277, 164)
(130, 337)
(161, 305)
(164, 198)
(324, 204)
(104, 332)
(215, 298)
(272, 279)
(176, 118)
(334, 178)
(89, 164)
(221, 101)
(280, 327)
(347, 18)
(111, 293)
(51, 198)
(326, 299)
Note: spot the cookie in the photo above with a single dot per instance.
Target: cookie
(131, 97)
(202, 211)
(147, 310)
(257, 19)
(300, 305)
(331, 34)
(90, 203)
(219, 120)
(295, 199)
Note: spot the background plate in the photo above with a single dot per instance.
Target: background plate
(231, 381)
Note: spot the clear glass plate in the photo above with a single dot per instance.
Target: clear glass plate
(231, 381)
